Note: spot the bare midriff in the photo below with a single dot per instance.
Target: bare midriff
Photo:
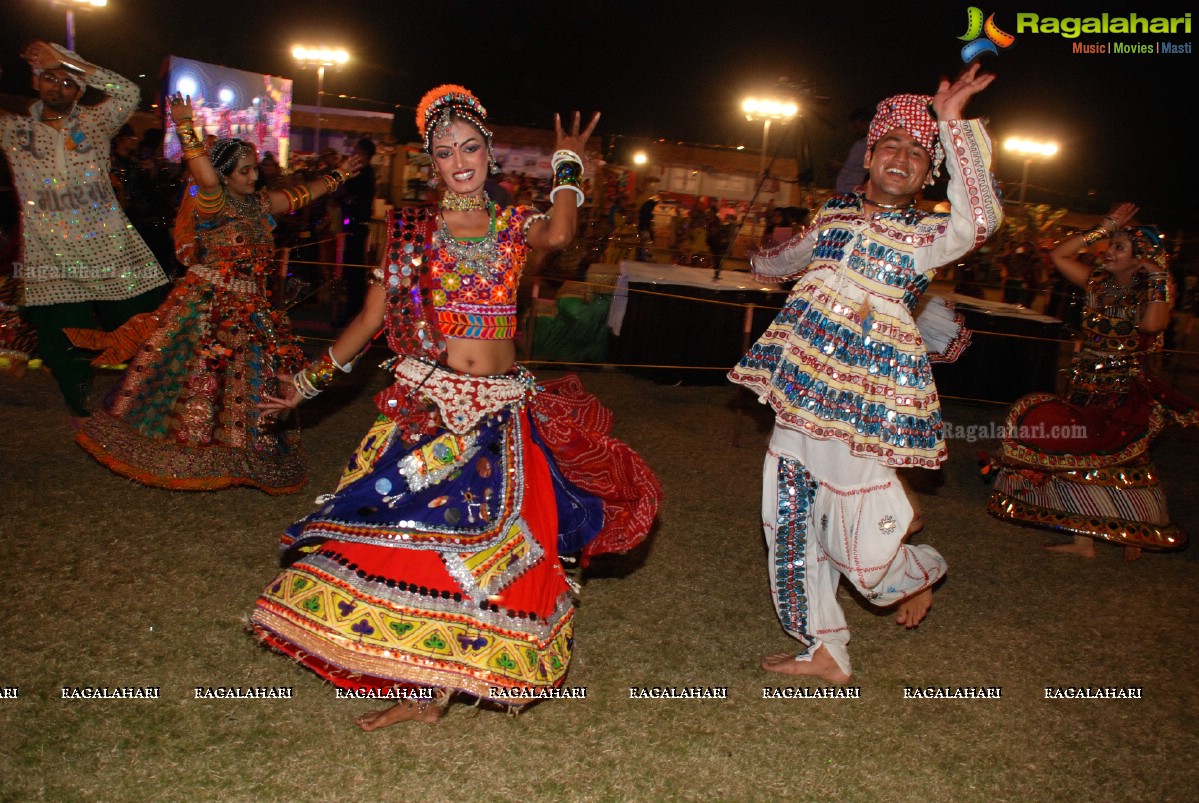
(480, 357)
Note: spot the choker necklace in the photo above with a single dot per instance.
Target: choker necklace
(54, 119)
(885, 206)
(454, 202)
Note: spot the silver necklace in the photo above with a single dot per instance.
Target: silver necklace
(247, 206)
(473, 256)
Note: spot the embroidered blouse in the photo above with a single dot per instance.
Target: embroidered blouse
(439, 286)
(844, 358)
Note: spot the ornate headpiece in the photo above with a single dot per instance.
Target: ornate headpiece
(1148, 244)
(911, 113)
(442, 105)
(226, 153)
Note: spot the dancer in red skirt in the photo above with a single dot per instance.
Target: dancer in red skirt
(434, 569)
(1080, 464)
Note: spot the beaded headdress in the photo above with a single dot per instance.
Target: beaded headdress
(911, 113)
(226, 153)
(1147, 243)
(442, 105)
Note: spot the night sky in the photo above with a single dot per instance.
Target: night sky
(679, 70)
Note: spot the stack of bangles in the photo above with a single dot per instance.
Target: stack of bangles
(568, 174)
(318, 375)
(335, 179)
(192, 147)
(1105, 230)
(1159, 287)
(297, 196)
(300, 195)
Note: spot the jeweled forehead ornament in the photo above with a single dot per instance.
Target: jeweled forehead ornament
(911, 113)
(442, 105)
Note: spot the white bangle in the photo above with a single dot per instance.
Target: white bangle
(564, 156)
(303, 386)
(576, 190)
(531, 219)
(345, 369)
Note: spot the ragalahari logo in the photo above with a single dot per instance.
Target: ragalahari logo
(982, 37)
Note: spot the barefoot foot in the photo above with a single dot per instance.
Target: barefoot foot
(821, 666)
(916, 526)
(1083, 547)
(405, 711)
(911, 611)
(1132, 553)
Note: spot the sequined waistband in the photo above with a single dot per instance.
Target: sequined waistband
(463, 399)
(214, 277)
(497, 323)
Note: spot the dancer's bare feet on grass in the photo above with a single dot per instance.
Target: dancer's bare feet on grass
(1083, 547)
(911, 611)
(406, 711)
(1132, 553)
(821, 666)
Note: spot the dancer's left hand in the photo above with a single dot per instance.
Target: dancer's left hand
(574, 140)
(950, 101)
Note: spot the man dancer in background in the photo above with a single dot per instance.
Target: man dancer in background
(81, 259)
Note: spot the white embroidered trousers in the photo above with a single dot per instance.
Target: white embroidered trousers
(828, 514)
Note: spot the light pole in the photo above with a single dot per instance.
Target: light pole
(1029, 149)
(766, 109)
(319, 57)
(69, 6)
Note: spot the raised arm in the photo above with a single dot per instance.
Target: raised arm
(557, 232)
(193, 152)
(1065, 255)
(284, 202)
(123, 94)
(976, 211)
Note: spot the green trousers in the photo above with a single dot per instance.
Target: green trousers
(72, 366)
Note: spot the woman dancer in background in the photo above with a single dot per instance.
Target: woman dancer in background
(1080, 464)
(185, 414)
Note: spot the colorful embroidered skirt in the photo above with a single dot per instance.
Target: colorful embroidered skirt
(436, 562)
(1085, 470)
(184, 415)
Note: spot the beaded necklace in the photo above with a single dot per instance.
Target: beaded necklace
(475, 254)
(247, 206)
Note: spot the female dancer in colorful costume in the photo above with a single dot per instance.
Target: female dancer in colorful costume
(847, 373)
(185, 414)
(1080, 464)
(434, 566)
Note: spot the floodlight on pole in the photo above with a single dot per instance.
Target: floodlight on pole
(1029, 149)
(71, 6)
(767, 109)
(319, 57)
